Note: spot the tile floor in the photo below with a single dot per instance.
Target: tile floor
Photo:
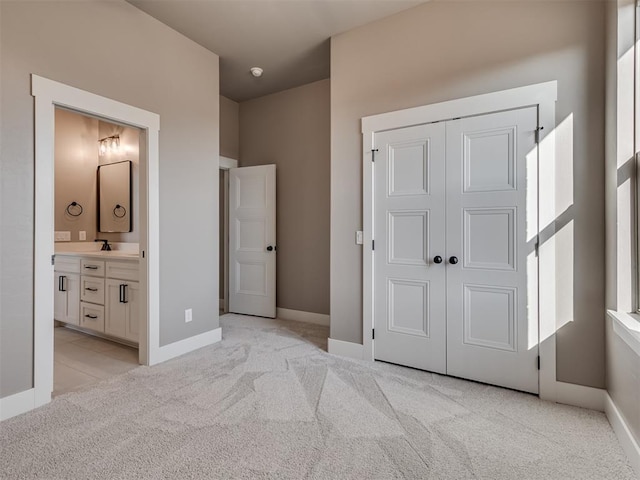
(81, 360)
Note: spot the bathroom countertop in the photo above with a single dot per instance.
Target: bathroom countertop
(115, 254)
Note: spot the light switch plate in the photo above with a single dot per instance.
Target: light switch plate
(359, 237)
(188, 315)
(82, 235)
(62, 236)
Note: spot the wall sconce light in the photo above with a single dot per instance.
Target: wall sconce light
(109, 144)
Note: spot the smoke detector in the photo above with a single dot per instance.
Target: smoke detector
(256, 71)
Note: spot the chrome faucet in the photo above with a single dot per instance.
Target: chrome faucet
(105, 246)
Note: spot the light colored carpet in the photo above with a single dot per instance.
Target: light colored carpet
(266, 402)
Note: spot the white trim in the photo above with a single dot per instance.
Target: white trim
(300, 316)
(463, 107)
(17, 403)
(190, 344)
(49, 94)
(542, 95)
(346, 349)
(580, 396)
(628, 442)
(627, 328)
(226, 163)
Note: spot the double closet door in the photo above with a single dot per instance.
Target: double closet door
(455, 266)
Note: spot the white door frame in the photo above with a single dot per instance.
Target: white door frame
(226, 163)
(542, 95)
(49, 95)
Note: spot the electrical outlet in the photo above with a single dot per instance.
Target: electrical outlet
(62, 236)
(188, 315)
(82, 235)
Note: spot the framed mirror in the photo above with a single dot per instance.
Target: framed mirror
(114, 197)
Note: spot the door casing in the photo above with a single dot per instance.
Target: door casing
(543, 95)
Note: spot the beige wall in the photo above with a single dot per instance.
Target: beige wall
(112, 49)
(76, 161)
(623, 365)
(129, 150)
(229, 128)
(76, 164)
(446, 50)
(291, 130)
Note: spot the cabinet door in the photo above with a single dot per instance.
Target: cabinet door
(132, 296)
(59, 298)
(72, 286)
(115, 310)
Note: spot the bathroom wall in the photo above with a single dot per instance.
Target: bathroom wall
(76, 162)
(129, 150)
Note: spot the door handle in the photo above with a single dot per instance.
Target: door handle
(453, 260)
(437, 259)
(123, 293)
(61, 283)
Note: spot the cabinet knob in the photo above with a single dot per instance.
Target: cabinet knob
(437, 259)
(453, 260)
(270, 248)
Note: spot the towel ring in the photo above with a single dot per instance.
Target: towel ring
(117, 208)
(75, 206)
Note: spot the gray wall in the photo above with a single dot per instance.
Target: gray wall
(623, 364)
(112, 49)
(446, 50)
(229, 128)
(291, 130)
(76, 164)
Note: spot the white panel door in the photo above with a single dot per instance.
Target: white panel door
(252, 240)
(409, 235)
(492, 324)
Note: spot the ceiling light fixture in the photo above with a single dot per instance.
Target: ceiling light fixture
(256, 71)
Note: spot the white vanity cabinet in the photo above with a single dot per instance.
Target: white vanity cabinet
(107, 295)
(122, 306)
(66, 297)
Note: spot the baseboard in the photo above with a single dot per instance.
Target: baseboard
(580, 396)
(625, 437)
(17, 403)
(300, 316)
(346, 349)
(175, 349)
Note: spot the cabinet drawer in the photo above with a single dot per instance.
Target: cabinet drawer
(92, 289)
(67, 264)
(92, 267)
(92, 316)
(123, 270)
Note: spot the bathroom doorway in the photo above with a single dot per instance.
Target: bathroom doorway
(97, 250)
(49, 95)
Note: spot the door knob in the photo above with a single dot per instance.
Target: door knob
(453, 260)
(437, 259)
(269, 248)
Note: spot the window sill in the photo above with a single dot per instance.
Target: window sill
(627, 327)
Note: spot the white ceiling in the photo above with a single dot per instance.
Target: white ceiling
(289, 39)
